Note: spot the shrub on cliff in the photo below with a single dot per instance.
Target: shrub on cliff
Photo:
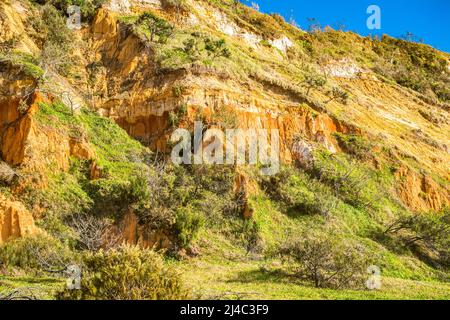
(87, 7)
(153, 27)
(355, 145)
(114, 197)
(54, 38)
(187, 225)
(127, 273)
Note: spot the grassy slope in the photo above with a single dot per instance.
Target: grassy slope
(225, 271)
(42, 287)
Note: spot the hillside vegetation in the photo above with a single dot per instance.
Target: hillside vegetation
(359, 209)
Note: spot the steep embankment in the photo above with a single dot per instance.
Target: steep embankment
(141, 99)
(364, 142)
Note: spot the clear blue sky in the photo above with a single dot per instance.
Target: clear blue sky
(427, 19)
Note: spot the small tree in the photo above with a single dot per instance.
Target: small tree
(314, 81)
(430, 231)
(327, 262)
(339, 95)
(155, 26)
(217, 48)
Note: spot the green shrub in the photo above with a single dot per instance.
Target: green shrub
(251, 237)
(428, 234)
(217, 48)
(54, 38)
(355, 145)
(187, 225)
(298, 194)
(42, 253)
(25, 62)
(113, 197)
(326, 261)
(348, 180)
(88, 8)
(127, 273)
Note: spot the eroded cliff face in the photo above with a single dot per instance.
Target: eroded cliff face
(420, 192)
(34, 146)
(15, 221)
(130, 88)
(140, 101)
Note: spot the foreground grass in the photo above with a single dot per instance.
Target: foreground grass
(250, 279)
(41, 287)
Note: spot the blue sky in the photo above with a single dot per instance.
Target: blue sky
(426, 19)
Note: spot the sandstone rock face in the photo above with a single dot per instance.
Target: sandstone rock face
(26, 143)
(16, 128)
(12, 25)
(15, 221)
(420, 192)
(134, 234)
(140, 101)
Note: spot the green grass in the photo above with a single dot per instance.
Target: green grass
(236, 276)
(225, 270)
(26, 62)
(119, 157)
(41, 287)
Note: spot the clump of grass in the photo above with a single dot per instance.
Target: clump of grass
(25, 62)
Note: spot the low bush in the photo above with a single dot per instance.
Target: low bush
(113, 197)
(348, 180)
(427, 234)
(88, 8)
(25, 62)
(355, 145)
(42, 253)
(298, 194)
(326, 261)
(127, 273)
(187, 225)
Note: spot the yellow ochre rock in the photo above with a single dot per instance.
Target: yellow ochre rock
(15, 221)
